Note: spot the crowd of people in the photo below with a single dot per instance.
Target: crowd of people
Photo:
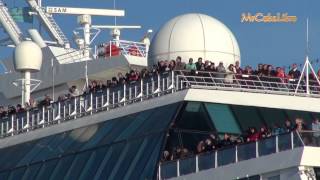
(163, 67)
(215, 142)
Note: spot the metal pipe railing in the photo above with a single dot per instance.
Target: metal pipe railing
(159, 85)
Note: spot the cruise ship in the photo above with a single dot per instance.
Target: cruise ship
(123, 131)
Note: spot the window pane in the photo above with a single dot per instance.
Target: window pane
(247, 117)
(306, 116)
(17, 174)
(47, 169)
(31, 172)
(273, 116)
(62, 167)
(222, 118)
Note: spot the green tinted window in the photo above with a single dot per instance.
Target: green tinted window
(247, 117)
(222, 118)
(306, 116)
(273, 116)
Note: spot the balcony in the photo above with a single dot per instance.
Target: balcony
(238, 153)
(135, 92)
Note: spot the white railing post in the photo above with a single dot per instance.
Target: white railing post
(159, 85)
(113, 99)
(130, 94)
(91, 103)
(236, 158)
(197, 163)
(141, 87)
(177, 83)
(75, 108)
(135, 91)
(124, 94)
(147, 90)
(118, 98)
(292, 141)
(277, 143)
(178, 168)
(159, 171)
(172, 82)
(152, 86)
(216, 159)
(257, 149)
(108, 98)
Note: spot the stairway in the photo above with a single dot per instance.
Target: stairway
(9, 24)
(51, 25)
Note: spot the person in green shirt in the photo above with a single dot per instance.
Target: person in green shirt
(191, 66)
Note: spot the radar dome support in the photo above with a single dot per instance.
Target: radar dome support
(27, 59)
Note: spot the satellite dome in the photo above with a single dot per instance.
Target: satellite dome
(27, 56)
(194, 36)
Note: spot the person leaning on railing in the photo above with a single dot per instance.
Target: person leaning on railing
(316, 134)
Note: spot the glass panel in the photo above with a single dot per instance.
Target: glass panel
(284, 142)
(17, 174)
(297, 140)
(31, 172)
(121, 167)
(246, 151)
(187, 165)
(308, 138)
(46, 170)
(247, 117)
(206, 161)
(226, 156)
(223, 118)
(77, 165)
(62, 167)
(273, 116)
(169, 170)
(194, 116)
(92, 166)
(148, 161)
(267, 146)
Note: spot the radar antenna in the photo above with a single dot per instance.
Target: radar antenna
(306, 66)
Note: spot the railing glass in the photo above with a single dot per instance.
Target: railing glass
(233, 154)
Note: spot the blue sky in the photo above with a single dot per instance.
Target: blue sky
(278, 43)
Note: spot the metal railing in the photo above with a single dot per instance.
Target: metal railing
(87, 104)
(229, 155)
(111, 98)
(243, 82)
(121, 47)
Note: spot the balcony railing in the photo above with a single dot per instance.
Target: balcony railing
(159, 85)
(250, 83)
(230, 155)
(121, 47)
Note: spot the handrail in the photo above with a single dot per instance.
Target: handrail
(117, 47)
(111, 98)
(230, 155)
(85, 105)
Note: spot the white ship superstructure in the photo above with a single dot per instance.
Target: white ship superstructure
(122, 131)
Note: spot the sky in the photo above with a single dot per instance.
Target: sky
(280, 44)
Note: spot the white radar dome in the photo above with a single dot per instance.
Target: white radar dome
(194, 36)
(27, 57)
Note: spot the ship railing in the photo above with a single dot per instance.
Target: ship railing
(229, 155)
(121, 47)
(87, 104)
(243, 82)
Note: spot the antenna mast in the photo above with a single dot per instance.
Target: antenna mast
(306, 66)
